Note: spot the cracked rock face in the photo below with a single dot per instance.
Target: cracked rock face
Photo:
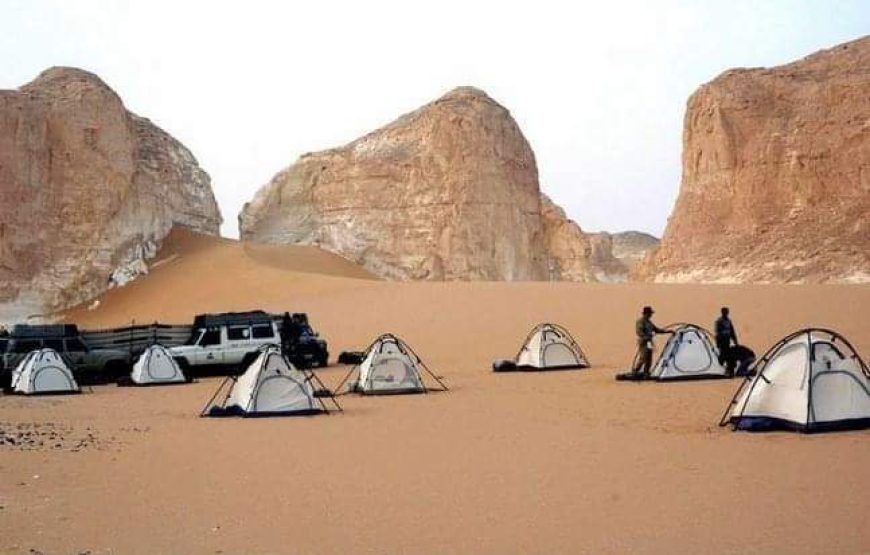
(447, 192)
(776, 176)
(85, 188)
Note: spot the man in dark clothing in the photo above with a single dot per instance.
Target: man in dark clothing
(743, 358)
(290, 332)
(725, 335)
(645, 331)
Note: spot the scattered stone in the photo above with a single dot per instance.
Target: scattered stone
(49, 436)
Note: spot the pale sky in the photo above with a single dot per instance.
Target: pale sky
(598, 88)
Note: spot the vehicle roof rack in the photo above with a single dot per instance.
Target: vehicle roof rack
(231, 319)
(44, 331)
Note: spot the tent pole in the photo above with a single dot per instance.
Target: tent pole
(216, 393)
(344, 380)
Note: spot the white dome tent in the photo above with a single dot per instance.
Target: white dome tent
(550, 347)
(688, 354)
(156, 366)
(812, 380)
(43, 372)
(271, 386)
(390, 366)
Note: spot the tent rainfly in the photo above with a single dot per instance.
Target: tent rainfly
(156, 366)
(43, 372)
(550, 347)
(390, 366)
(688, 354)
(812, 380)
(271, 386)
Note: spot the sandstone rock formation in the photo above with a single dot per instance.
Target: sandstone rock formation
(87, 189)
(449, 191)
(631, 247)
(776, 176)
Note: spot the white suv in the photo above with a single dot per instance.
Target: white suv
(227, 340)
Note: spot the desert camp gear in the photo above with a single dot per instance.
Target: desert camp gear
(155, 366)
(390, 366)
(43, 372)
(271, 386)
(547, 347)
(688, 354)
(351, 357)
(810, 381)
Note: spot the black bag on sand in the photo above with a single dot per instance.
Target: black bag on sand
(504, 366)
(631, 377)
(351, 357)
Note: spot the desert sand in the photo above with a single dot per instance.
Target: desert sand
(502, 463)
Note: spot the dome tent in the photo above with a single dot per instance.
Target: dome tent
(547, 347)
(270, 386)
(156, 366)
(812, 380)
(390, 366)
(688, 354)
(43, 372)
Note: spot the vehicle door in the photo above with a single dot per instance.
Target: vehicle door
(77, 353)
(210, 348)
(239, 343)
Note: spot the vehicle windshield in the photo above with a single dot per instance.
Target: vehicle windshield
(194, 337)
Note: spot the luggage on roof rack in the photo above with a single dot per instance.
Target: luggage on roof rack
(231, 319)
(46, 330)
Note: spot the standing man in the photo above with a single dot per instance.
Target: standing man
(645, 331)
(289, 334)
(725, 335)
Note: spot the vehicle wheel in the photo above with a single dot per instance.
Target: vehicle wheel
(114, 369)
(323, 361)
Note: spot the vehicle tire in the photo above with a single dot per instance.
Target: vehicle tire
(323, 361)
(114, 369)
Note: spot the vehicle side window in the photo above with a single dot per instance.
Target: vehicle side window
(26, 345)
(263, 331)
(212, 336)
(238, 333)
(56, 344)
(75, 346)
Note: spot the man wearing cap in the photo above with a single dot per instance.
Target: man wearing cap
(645, 331)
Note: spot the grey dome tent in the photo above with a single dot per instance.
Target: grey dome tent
(688, 354)
(390, 366)
(270, 386)
(547, 347)
(43, 372)
(156, 366)
(812, 380)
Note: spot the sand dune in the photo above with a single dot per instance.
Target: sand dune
(564, 461)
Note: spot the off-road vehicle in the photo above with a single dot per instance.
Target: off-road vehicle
(90, 365)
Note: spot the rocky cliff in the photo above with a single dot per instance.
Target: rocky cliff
(776, 176)
(449, 191)
(87, 191)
